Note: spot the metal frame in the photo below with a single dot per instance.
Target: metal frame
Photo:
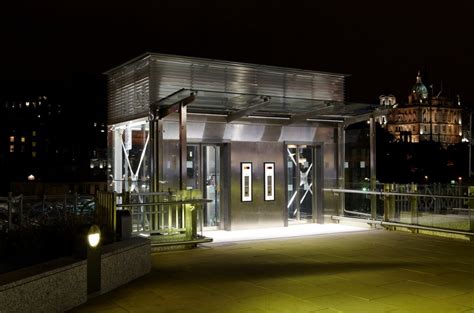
(254, 106)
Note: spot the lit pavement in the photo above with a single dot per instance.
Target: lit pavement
(369, 271)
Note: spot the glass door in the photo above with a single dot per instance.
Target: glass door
(212, 178)
(300, 182)
(193, 167)
(203, 168)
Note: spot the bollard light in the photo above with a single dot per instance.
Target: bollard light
(93, 260)
(93, 236)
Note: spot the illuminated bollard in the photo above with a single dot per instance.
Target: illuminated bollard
(93, 259)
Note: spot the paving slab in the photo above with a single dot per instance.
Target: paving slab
(363, 271)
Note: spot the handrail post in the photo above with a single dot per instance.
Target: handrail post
(414, 205)
(21, 210)
(10, 208)
(76, 200)
(113, 208)
(373, 167)
(191, 221)
(387, 203)
(471, 209)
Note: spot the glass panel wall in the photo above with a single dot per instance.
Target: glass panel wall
(129, 157)
(212, 177)
(300, 182)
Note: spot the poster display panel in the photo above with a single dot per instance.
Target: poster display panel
(246, 181)
(269, 187)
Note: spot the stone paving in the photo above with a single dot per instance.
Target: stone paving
(370, 271)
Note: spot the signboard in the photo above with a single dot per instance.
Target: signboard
(269, 184)
(246, 181)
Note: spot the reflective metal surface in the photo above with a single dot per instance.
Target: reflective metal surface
(219, 132)
(258, 213)
(137, 84)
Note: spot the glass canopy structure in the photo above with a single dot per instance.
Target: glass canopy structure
(259, 141)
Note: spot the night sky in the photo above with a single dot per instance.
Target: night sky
(380, 44)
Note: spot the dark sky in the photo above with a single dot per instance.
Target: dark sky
(381, 44)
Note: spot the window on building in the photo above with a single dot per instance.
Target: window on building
(33, 154)
(12, 148)
(33, 143)
(33, 133)
(12, 138)
(23, 139)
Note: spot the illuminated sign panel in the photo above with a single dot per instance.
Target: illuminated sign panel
(269, 187)
(246, 181)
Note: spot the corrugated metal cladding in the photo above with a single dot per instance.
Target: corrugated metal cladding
(155, 76)
(129, 92)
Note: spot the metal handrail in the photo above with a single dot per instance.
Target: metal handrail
(161, 193)
(190, 201)
(421, 227)
(385, 193)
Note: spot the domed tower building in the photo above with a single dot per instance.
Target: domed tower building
(426, 117)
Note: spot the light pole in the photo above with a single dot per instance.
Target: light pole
(470, 144)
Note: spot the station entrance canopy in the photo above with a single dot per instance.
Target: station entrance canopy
(261, 141)
(235, 106)
(228, 88)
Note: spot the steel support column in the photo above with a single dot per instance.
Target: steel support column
(373, 174)
(156, 164)
(318, 182)
(341, 143)
(298, 182)
(183, 175)
(470, 137)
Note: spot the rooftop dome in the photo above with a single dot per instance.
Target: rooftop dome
(419, 90)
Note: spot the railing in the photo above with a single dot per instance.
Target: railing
(106, 211)
(448, 209)
(159, 213)
(32, 211)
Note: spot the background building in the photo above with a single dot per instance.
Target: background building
(425, 117)
(45, 138)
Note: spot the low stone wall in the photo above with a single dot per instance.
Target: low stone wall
(61, 284)
(124, 261)
(54, 286)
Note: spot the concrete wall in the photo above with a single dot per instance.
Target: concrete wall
(124, 261)
(55, 286)
(61, 284)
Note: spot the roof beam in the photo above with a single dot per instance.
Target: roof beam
(253, 107)
(364, 117)
(306, 115)
(157, 112)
